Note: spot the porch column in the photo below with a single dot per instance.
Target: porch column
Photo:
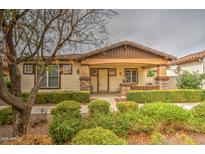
(162, 78)
(85, 77)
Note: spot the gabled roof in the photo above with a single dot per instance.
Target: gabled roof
(133, 44)
(189, 58)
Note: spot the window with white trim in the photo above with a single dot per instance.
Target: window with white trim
(28, 68)
(51, 79)
(130, 75)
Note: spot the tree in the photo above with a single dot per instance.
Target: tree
(187, 80)
(38, 36)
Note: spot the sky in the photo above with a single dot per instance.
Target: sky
(177, 32)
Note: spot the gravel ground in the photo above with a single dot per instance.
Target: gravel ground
(38, 125)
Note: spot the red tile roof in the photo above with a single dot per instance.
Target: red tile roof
(188, 58)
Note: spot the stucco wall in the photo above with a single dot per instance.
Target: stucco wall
(69, 82)
(192, 66)
(27, 80)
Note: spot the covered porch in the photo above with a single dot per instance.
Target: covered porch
(120, 77)
(123, 66)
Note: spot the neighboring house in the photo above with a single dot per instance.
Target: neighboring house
(193, 63)
(114, 68)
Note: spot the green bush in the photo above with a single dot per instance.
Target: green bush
(116, 122)
(165, 112)
(197, 121)
(57, 97)
(122, 123)
(187, 80)
(97, 136)
(172, 96)
(6, 116)
(199, 111)
(143, 123)
(126, 106)
(67, 109)
(62, 131)
(99, 107)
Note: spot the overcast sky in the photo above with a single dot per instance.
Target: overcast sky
(178, 32)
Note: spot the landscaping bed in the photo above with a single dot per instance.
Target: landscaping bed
(153, 123)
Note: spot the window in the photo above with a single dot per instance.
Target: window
(67, 69)
(51, 79)
(93, 72)
(112, 72)
(28, 69)
(130, 75)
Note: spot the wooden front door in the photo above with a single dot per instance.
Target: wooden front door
(103, 80)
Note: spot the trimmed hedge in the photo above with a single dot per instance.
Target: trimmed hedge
(99, 107)
(172, 96)
(97, 136)
(6, 116)
(67, 109)
(126, 106)
(57, 97)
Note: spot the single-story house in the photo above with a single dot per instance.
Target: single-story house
(114, 68)
(194, 62)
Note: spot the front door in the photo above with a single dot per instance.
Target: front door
(103, 80)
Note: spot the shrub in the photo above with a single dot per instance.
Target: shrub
(156, 138)
(62, 131)
(99, 107)
(57, 97)
(97, 136)
(122, 123)
(199, 111)
(6, 116)
(149, 96)
(196, 124)
(67, 109)
(116, 122)
(126, 106)
(143, 123)
(188, 80)
(165, 112)
(197, 121)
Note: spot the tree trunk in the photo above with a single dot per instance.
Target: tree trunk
(20, 117)
(21, 121)
(15, 77)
